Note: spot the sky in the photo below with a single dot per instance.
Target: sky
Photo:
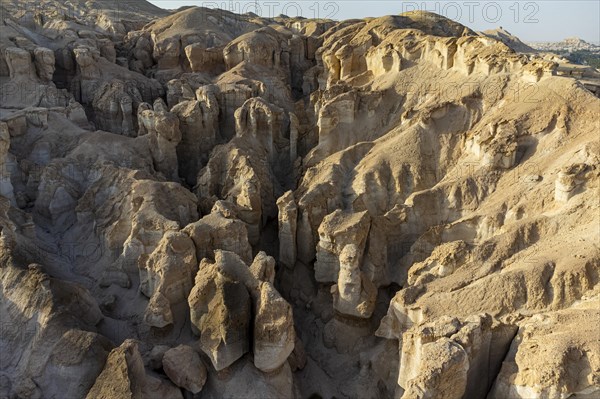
(536, 21)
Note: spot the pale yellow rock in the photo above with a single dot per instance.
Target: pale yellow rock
(19, 63)
(453, 358)
(569, 181)
(158, 312)
(220, 313)
(218, 231)
(239, 172)
(124, 376)
(442, 373)
(261, 47)
(198, 121)
(288, 219)
(263, 267)
(554, 355)
(336, 231)
(71, 354)
(170, 269)
(220, 304)
(163, 130)
(204, 59)
(185, 368)
(290, 178)
(44, 63)
(354, 294)
(274, 335)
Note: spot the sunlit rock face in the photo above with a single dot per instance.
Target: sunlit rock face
(200, 203)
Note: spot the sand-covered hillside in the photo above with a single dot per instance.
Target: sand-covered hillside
(199, 204)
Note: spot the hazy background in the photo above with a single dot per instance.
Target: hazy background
(547, 20)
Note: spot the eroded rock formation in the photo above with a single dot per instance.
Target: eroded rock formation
(196, 202)
(225, 295)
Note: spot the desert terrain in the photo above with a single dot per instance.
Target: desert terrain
(201, 204)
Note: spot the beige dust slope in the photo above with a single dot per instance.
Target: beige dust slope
(509, 39)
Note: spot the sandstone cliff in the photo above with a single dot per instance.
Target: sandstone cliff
(202, 204)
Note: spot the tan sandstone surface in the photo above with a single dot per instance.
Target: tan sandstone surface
(199, 204)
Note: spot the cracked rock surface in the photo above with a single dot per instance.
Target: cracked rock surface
(199, 204)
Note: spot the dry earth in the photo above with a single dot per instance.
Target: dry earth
(200, 204)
